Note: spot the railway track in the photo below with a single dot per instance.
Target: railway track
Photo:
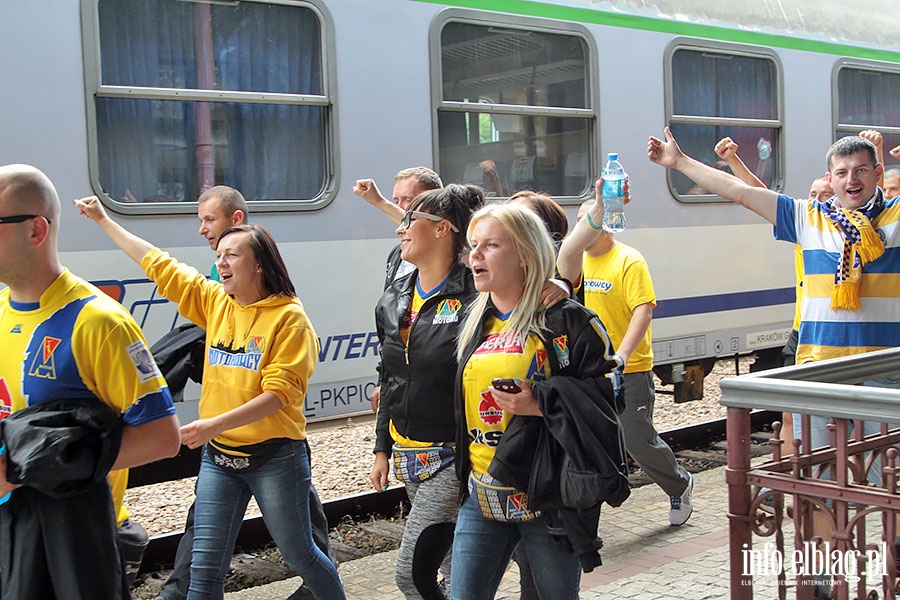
(699, 446)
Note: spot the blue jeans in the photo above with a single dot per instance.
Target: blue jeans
(482, 549)
(281, 488)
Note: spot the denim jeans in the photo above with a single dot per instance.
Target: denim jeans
(482, 549)
(281, 488)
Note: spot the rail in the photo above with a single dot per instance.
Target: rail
(803, 494)
(253, 534)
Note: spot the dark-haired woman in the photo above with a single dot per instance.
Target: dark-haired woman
(418, 320)
(260, 354)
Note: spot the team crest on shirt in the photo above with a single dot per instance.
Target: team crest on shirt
(597, 285)
(256, 344)
(516, 508)
(142, 361)
(536, 370)
(44, 366)
(5, 399)
(561, 347)
(488, 409)
(447, 312)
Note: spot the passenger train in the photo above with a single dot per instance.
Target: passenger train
(147, 102)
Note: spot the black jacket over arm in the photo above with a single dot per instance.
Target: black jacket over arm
(572, 459)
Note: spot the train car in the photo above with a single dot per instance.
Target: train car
(145, 103)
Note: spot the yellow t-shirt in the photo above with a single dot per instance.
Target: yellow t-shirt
(499, 355)
(77, 342)
(615, 283)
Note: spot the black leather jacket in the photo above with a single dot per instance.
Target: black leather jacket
(63, 447)
(417, 382)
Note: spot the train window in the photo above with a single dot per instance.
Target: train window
(515, 107)
(868, 97)
(722, 90)
(193, 94)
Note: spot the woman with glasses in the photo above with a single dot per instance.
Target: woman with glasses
(418, 320)
(538, 442)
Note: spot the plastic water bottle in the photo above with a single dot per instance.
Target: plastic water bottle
(613, 194)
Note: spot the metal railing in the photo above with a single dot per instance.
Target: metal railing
(838, 503)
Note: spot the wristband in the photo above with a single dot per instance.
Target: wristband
(591, 223)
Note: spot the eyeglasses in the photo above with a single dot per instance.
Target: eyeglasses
(412, 215)
(20, 218)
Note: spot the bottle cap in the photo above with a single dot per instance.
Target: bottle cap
(612, 156)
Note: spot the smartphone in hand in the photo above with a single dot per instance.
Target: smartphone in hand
(506, 385)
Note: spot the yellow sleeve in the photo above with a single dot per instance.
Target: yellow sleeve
(293, 362)
(182, 284)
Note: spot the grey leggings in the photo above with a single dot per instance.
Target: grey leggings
(428, 536)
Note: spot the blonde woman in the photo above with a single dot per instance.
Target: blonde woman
(546, 452)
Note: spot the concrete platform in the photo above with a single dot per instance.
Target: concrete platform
(644, 558)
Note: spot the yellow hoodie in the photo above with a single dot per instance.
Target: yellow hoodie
(267, 346)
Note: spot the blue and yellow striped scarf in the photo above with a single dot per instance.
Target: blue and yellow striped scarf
(862, 245)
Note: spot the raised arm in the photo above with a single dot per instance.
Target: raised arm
(726, 149)
(571, 252)
(368, 191)
(136, 248)
(666, 153)
(878, 141)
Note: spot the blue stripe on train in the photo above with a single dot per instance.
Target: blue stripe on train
(696, 305)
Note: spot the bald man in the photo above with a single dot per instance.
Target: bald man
(65, 339)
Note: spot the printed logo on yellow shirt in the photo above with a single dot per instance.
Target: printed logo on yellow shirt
(256, 343)
(5, 399)
(536, 370)
(43, 365)
(597, 285)
(447, 312)
(249, 357)
(142, 361)
(501, 343)
(488, 409)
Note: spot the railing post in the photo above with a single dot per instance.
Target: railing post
(739, 532)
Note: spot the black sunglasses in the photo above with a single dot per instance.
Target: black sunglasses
(412, 215)
(20, 218)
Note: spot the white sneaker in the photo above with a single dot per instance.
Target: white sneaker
(681, 507)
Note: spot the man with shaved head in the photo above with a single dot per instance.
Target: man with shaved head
(65, 342)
